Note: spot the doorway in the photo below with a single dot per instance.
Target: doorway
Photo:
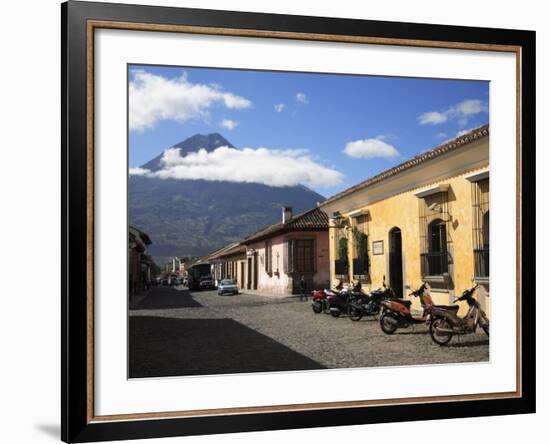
(249, 273)
(255, 285)
(242, 274)
(396, 262)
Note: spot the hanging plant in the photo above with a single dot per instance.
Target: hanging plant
(343, 249)
(360, 243)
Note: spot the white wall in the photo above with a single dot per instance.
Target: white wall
(29, 190)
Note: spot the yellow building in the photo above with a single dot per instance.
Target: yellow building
(425, 220)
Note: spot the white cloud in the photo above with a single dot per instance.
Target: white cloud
(370, 148)
(153, 98)
(460, 112)
(229, 124)
(302, 98)
(441, 135)
(469, 107)
(279, 107)
(138, 171)
(432, 118)
(261, 165)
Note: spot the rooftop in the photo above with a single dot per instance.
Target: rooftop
(311, 220)
(451, 145)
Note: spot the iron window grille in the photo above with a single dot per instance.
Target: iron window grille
(435, 241)
(480, 226)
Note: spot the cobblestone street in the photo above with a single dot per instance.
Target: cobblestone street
(176, 332)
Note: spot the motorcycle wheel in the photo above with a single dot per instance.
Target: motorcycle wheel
(335, 313)
(355, 314)
(316, 307)
(388, 327)
(440, 338)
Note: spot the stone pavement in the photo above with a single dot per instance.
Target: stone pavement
(177, 332)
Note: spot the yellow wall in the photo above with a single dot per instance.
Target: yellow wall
(402, 210)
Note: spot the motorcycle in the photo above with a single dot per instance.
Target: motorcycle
(446, 323)
(339, 301)
(319, 299)
(396, 313)
(369, 304)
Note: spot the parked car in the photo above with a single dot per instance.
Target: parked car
(206, 283)
(228, 286)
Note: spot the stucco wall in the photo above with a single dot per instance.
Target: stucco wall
(279, 283)
(402, 211)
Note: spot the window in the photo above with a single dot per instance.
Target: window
(480, 224)
(299, 256)
(304, 256)
(436, 258)
(269, 258)
(435, 242)
(361, 259)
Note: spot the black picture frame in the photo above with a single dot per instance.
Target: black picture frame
(76, 423)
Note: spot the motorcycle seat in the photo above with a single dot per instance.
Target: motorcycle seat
(405, 302)
(448, 307)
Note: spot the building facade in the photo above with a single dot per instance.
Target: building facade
(278, 256)
(425, 220)
(229, 263)
(140, 265)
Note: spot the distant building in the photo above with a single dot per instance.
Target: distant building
(140, 265)
(279, 255)
(229, 262)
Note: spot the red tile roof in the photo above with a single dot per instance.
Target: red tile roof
(311, 220)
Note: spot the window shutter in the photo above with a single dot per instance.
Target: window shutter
(286, 251)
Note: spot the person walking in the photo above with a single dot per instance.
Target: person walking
(303, 288)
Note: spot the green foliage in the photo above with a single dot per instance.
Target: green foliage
(343, 249)
(361, 243)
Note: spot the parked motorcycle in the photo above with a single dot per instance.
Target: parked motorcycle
(369, 304)
(446, 323)
(320, 303)
(396, 313)
(339, 301)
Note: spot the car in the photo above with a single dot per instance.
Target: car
(228, 286)
(206, 283)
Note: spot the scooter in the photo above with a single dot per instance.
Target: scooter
(369, 304)
(446, 323)
(396, 313)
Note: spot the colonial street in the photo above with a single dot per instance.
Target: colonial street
(174, 332)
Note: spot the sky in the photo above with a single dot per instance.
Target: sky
(325, 131)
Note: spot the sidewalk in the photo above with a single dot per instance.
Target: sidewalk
(247, 292)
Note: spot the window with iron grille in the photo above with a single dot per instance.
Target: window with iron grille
(304, 256)
(435, 242)
(360, 243)
(480, 226)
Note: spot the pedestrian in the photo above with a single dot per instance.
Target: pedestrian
(303, 288)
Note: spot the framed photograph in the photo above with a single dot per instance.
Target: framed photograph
(223, 175)
(378, 247)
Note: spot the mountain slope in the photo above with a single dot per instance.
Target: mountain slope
(195, 217)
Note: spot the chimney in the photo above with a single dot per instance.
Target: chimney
(287, 214)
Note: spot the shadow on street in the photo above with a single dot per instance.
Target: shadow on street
(166, 297)
(179, 347)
